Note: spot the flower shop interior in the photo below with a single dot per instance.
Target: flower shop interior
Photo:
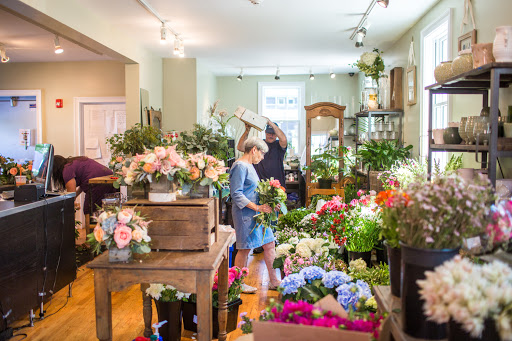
(122, 201)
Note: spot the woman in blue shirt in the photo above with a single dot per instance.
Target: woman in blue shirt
(243, 183)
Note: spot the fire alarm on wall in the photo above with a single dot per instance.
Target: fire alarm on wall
(58, 103)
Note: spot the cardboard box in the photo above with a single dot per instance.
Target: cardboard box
(254, 120)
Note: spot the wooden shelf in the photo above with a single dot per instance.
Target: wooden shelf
(379, 112)
(504, 144)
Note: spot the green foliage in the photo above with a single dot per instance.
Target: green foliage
(381, 155)
(292, 218)
(204, 140)
(453, 164)
(350, 193)
(135, 140)
(378, 275)
(326, 164)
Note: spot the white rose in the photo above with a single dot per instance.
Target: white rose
(130, 177)
(102, 217)
(201, 164)
(150, 158)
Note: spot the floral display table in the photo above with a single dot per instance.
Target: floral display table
(392, 305)
(185, 270)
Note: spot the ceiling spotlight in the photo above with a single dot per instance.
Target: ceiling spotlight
(163, 34)
(277, 77)
(383, 3)
(311, 75)
(361, 32)
(181, 49)
(56, 44)
(332, 74)
(359, 41)
(241, 75)
(256, 2)
(176, 50)
(4, 57)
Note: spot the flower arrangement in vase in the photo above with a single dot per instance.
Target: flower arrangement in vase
(120, 229)
(469, 294)
(10, 169)
(204, 170)
(372, 64)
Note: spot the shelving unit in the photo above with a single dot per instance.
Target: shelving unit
(485, 81)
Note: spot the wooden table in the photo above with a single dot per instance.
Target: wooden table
(386, 302)
(187, 271)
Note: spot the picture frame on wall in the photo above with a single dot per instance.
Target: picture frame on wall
(465, 41)
(154, 118)
(411, 85)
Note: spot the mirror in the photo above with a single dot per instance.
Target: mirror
(324, 133)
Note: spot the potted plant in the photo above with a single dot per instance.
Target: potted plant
(123, 231)
(432, 220)
(168, 306)
(235, 279)
(204, 140)
(380, 156)
(325, 165)
(134, 141)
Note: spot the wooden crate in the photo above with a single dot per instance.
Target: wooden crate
(184, 224)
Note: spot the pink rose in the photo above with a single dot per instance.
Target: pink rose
(124, 217)
(166, 167)
(139, 157)
(231, 278)
(133, 165)
(245, 271)
(212, 174)
(137, 235)
(174, 157)
(160, 152)
(122, 235)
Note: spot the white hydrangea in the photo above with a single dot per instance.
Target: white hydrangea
(304, 235)
(310, 242)
(283, 250)
(293, 240)
(369, 58)
(303, 250)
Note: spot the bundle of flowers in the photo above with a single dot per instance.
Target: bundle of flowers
(205, 170)
(271, 193)
(117, 163)
(500, 227)
(308, 222)
(436, 215)
(235, 279)
(403, 173)
(294, 263)
(304, 313)
(313, 283)
(10, 169)
(121, 228)
(165, 293)
(305, 248)
(153, 164)
(292, 219)
(371, 64)
(469, 294)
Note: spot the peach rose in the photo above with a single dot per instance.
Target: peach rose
(98, 233)
(137, 235)
(166, 167)
(13, 171)
(194, 173)
(212, 174)
(160, 152)
(119, 159)
(124, 217)
(30, 167)
(122, 235)
(133, 165)
(149, 158)
(149, 168)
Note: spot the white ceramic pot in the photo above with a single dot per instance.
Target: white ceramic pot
(502, 47)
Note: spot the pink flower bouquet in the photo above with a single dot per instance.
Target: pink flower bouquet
(205, 170)
(500, 227)
(121, 228)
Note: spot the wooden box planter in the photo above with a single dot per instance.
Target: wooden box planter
(190, 317)
(264, 331)
(184, 224)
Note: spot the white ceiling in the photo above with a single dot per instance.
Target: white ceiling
(295, 35)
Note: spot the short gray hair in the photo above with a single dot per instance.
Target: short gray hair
(255, 141)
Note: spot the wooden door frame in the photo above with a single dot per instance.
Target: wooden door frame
(78, 105)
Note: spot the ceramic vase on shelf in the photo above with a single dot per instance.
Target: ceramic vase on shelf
(502, 46)
(162, 190)
(415, 261)
(116, 255)
(170, 312)
(463, 63)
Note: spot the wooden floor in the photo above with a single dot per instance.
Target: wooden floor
(76, 320)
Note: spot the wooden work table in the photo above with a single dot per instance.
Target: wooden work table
(188, 271)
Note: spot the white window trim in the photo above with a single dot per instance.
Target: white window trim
(301, 104)
(446, 16)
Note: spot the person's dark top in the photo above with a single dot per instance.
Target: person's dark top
(82, 170)
(272, 164)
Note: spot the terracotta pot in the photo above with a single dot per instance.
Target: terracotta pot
(463, 63)
(502, 47)
(482, 54)
(443, 71)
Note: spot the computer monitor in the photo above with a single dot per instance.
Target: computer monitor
(43, 165)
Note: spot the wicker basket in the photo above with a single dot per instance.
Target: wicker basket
(375, 184)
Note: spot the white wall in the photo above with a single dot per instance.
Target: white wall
(206, 90)
(13, 119)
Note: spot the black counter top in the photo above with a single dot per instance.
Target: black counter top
(8, 207)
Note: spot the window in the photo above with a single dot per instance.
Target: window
(283, 103)
(435, 41)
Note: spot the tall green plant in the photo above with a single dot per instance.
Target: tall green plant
(326, 164)
(135, 140)
(381, 155)
(204, 140)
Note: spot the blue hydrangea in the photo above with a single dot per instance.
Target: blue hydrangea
(109, 225)
(350, 293)
(312, 272)
(334, 279)
(292, 283)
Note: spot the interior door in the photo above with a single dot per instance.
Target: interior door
(101, 121)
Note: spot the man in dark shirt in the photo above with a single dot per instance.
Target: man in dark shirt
(272, 164)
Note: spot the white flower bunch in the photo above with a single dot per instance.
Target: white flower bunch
(369, 58)
(469, 294)
(316, 246)
(409, 171)
(307, 219)
(165, 292)
(283, 250)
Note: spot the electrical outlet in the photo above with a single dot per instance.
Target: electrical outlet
(24, 137)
